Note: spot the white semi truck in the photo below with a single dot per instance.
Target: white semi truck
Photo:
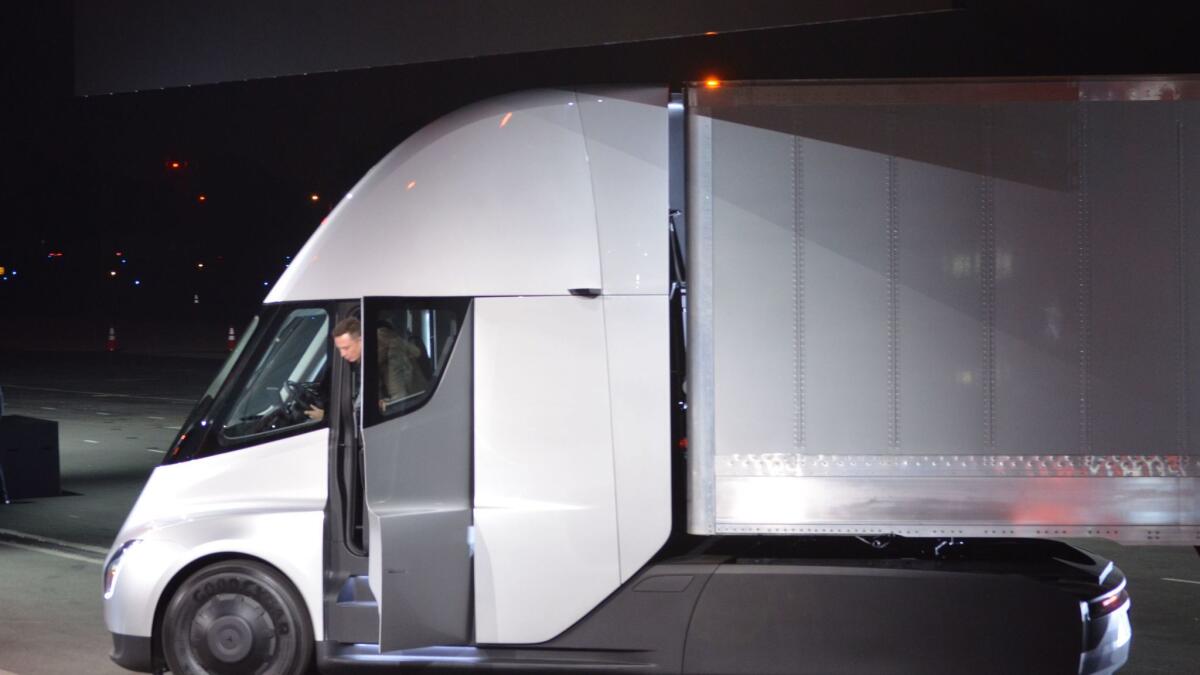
(753, 378)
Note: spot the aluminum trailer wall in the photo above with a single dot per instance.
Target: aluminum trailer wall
(954, 308)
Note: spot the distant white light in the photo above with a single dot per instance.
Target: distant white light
(675, 105)
(137, 282)
(266, 283)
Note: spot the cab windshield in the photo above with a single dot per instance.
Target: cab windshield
(288, 384)
(222, 374)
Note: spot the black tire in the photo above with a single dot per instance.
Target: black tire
(237, 617)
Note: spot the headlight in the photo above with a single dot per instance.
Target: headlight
(113, 569)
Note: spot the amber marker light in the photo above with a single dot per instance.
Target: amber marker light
(507, 117)
(712, 82)
(711, 33)
(202, 198)
(314, 197)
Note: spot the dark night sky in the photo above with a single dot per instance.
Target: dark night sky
(89, 176)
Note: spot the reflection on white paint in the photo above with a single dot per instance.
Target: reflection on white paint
(1124, 633)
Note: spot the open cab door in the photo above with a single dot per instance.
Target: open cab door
(415, 411)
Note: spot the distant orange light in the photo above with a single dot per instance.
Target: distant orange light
(174, 165)
(411, 184)
(712, 83)
(202, 198)
(199, 266)
(507, 117)
(711, 33)
(112, 273)
(314, 197)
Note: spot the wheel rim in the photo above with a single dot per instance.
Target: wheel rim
(234, 633)
(230, 639)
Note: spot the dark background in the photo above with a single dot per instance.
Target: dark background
(89, 176)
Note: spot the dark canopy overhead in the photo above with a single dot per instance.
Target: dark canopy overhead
(149, 44)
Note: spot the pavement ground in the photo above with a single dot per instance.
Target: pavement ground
(117, 414)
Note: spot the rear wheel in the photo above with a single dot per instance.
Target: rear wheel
(237, 617)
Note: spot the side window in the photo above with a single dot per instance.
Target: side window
(407, 343)
(288, 380)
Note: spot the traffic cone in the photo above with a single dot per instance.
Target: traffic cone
(111, 344)
(231, 340)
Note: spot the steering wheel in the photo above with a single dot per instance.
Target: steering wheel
(300, 397)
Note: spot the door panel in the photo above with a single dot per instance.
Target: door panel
(418, 488)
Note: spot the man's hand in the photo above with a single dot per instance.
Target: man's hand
(314, 413)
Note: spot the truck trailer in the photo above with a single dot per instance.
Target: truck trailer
(753, 377)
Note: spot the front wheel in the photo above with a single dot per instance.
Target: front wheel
(237, 617)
